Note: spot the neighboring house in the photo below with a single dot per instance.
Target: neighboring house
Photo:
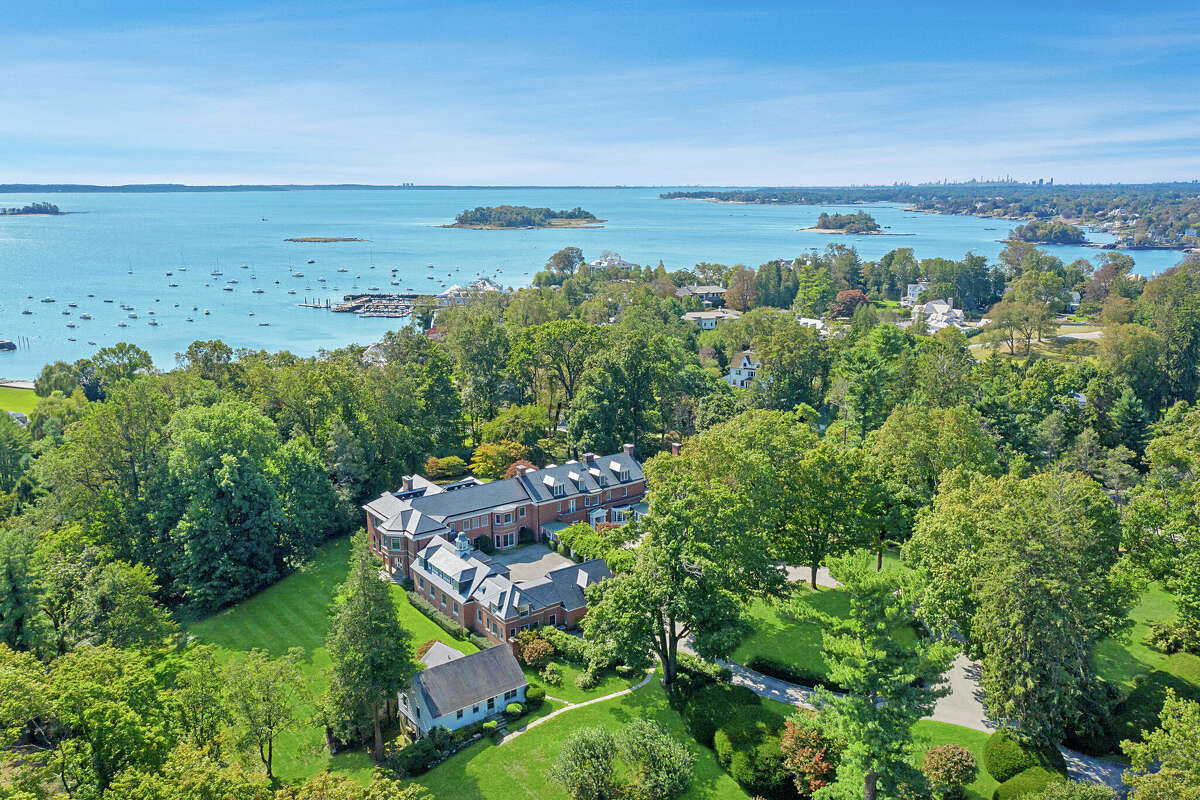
(455, 690)
(816, 324)
(595, 489)
(1073, 299)
(475, 591)
(743, 368)
(19, 417)
(610, 259)
(912, 293)
(707, 293)
(707, 320)
(940, 314)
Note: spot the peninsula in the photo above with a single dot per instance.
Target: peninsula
(858, 223)
(323, 239)
(523, 217)
(32, 210)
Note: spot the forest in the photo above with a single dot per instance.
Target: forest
(517, 217)
(32, 208)
(1043, 232)
(859, 222)
(1166, 214)
(1033, 493)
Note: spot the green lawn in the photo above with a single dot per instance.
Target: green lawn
(609, 682)
(295, 613)
(928, 733)
(14, 399)
(1144, 675)
(779, 635)
(517, 768)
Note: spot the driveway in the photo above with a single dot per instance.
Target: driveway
(530, 562)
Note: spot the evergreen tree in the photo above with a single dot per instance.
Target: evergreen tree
(1129, 421)
(370, 651)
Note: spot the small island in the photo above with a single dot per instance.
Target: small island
(32, 210)
(1046, 232)
(859, 222)
(323, 239)
(521, 217)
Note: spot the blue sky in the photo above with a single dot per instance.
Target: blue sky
(790, 93)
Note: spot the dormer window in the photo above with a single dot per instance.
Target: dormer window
(624, 474)
(558, 489)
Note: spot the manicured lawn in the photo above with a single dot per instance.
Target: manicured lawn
(928, 733)
(609, 682)
(15, 399)
(517, 768)
(1144, 675)
(778, 634)
(295, 613)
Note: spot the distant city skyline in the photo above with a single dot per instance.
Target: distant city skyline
(664, 93)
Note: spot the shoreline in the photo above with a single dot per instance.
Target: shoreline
(325, 239)
(566, 223)
(840, 232)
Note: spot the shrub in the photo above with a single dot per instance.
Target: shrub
(711, 705)
(534, 697)
(514, 710)
(1029, 781)
(415, 758)
(1007, 754)
(1173, 636)
(480, 641)
(949, 768)
(792, 674)
(491, 729)
(808, 754)
(444, 622)
(586, 680)
(552, 674)
(525, 535)
(485, 544)
(534, 650)
(567, 647)
(748, 747)
(705, 672)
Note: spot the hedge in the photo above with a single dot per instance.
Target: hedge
(1006, 755)
(567, 647)
(747, 746)
(1029, 781)
(709, 707)
(444, 622)
(534, 697)
(792, 674)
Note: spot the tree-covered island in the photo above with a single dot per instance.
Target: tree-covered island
(33, 209)
(858, 222)
(1047, 232)
(511, 217)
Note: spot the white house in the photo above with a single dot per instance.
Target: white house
(940, 314)
(707, 320)
(708, 293)
(455, 690)
(912, 293)
(743, 368)
(816, 324)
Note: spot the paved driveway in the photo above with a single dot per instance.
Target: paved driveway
(531, 562)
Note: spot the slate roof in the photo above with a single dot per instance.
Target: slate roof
(471, 679)
(469, 499)
(582, 477)
(439, 653)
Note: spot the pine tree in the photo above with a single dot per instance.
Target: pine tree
(371, 652)
(1129, 421)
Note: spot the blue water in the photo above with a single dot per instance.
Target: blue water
(92, 253)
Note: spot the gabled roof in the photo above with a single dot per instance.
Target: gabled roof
(439, 653)
(567, 584)
(471, 679)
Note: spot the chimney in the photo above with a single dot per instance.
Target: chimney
(628, 449)
(675, 448)
(589, 457)
(406, 483)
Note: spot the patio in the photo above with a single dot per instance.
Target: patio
(530, 562)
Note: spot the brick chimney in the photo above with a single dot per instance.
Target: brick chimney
(628, 449)
(588, 458)
(675, 448)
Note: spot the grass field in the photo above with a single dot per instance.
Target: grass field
(1144, 674)
(14, 399)
(778, 634)
(518, 767)
(295, 613)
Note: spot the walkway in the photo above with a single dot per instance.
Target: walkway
(571, 706)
